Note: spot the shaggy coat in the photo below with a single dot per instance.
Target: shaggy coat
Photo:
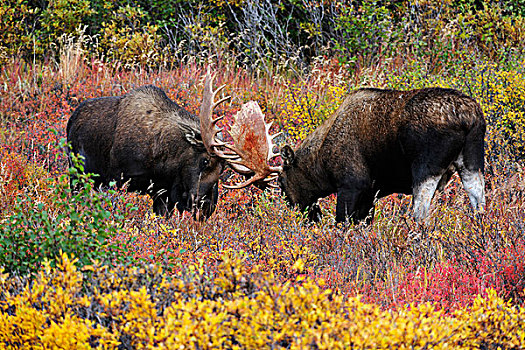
(381, 142)
(146, 140)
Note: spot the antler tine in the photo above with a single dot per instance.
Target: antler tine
(215, 104)
(253, 145)
(253, 180)
(270, 169)
(243, 184)
(208, 124)
(218, 90)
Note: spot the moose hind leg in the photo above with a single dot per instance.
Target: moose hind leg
(423, 194)
(446, 178)
(474, 184)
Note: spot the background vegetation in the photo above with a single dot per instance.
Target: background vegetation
(99, 269)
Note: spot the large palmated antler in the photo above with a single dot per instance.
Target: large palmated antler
(252, 146)
(209, 130)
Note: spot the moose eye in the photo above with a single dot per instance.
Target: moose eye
(205, 162)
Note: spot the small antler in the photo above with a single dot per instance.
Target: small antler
(208, 127)
(252, 146)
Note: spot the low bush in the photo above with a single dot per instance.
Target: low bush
(75, 222)
(229, 308)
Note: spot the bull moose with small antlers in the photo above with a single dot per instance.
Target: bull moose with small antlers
(148, 141)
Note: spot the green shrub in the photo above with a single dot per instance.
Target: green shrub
(267, 35)
(74, 222)
(127, 40)
(365, 31)
(15, 35)
(61, 17)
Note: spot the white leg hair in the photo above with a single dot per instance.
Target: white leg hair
(473, 183)
(423, 194)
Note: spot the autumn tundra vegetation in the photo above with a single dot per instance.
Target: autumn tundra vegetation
(87, 268)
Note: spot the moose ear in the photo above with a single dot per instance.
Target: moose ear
(191, 135)
(193, 138)
(288, 155)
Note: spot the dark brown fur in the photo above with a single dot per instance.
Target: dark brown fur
(381, 142)
(147, 140)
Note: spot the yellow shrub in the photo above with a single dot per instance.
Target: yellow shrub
(303, 109)
(132, 45)
(492, 318)
(43, 316)
(231, 309)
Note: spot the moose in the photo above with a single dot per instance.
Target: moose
(158, 148)
(378, 142)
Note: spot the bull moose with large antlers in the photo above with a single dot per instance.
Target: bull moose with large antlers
(145, 139)
(377, 143)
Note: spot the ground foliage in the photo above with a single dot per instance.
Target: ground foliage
(231, 308)
(257, 274)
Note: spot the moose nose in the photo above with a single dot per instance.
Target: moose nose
(203, 209)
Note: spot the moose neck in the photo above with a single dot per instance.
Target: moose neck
(316, 178)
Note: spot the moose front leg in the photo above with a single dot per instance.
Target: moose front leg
(162, 206)
(365, 208)
(163, 202)
(347, 203)
(314, 213)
